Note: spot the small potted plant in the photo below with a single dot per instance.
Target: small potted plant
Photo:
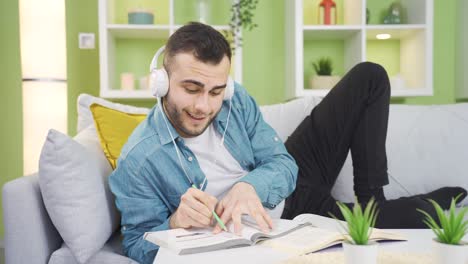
(448, 244)
(323, 78)
(359, 225)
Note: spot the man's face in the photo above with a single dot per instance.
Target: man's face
(196, 92)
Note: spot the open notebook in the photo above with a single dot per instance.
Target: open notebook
(306, 233)
(323, 232)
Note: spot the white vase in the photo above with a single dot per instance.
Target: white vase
(453, 254)
(360, 254)
(203, 11)
(323, 82)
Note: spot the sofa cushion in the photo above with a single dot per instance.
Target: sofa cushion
(110, 253)
(112, 136)
(85, 117)
(284, 118)
(73, 181)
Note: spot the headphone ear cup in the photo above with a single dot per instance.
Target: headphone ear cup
(159, 82)
(229, 92)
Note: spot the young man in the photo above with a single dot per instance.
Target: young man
(237, 162)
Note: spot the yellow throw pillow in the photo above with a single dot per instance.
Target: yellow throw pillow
(113, 128)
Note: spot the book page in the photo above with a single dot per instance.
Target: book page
(379, 234)
(321, 221)
(305, 240)
(203, 239)
(340, 226)
(253, 232)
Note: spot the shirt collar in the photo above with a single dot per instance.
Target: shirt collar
(161, 119)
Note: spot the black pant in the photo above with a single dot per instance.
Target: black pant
(353, 116)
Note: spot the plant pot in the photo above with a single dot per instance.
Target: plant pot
(453, 254)
(203, 11)
(360, 254)
(323, 82)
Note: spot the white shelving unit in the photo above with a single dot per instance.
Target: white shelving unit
(119, 40)
(353, 41)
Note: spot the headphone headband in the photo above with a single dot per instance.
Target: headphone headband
(154, 61)
(159, 79)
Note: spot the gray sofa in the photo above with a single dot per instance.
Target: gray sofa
(427, 148)
(30, 236)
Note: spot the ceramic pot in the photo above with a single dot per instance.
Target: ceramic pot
(323, 82)
(360, 254)
(453, 254)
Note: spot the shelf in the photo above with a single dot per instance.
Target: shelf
(128, 48)
(394, 92)
(139, 31)
(315, 92)
(330, 32)
(217, 27)
(396, 31)
(407, 54)
(405, 92)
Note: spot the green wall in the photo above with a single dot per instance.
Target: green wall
(264, 58)
(444, 55)
(11, 145)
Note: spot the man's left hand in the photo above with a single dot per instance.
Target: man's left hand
(242, 199)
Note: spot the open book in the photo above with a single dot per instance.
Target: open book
(323, 232)
(306, 233)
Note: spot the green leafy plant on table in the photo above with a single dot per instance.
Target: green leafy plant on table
(359, 223)
(452, 226)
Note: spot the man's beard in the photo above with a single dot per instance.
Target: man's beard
(175, 117)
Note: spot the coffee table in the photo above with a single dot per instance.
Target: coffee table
(419, 241)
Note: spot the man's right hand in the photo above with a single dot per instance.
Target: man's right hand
(195, 210)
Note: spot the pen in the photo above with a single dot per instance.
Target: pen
(220, 222)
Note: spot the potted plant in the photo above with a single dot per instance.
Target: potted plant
(448, 244)
(323, 78)
(359, 224)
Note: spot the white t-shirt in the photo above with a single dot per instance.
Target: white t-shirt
(220, 168)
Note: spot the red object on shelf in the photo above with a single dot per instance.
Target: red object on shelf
(325, 8)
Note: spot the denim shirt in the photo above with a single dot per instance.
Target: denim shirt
(149, 181)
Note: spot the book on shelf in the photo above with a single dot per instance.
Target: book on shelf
(306, 233)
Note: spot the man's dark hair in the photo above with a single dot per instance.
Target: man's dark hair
(205, 43)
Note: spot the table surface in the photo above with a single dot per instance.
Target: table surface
(419, 241)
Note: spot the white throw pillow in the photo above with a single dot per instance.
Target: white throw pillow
(73, 181)
(85, 117)
(284, 118)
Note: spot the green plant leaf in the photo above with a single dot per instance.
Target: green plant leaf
(359, 222)
(323, 66)
(452, 227)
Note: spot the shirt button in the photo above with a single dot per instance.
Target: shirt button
(190, 158)
(276, 138)
(124, 228)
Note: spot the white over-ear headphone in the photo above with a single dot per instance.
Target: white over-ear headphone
(159, 79)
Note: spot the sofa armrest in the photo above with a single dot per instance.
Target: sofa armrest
(30, 236)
